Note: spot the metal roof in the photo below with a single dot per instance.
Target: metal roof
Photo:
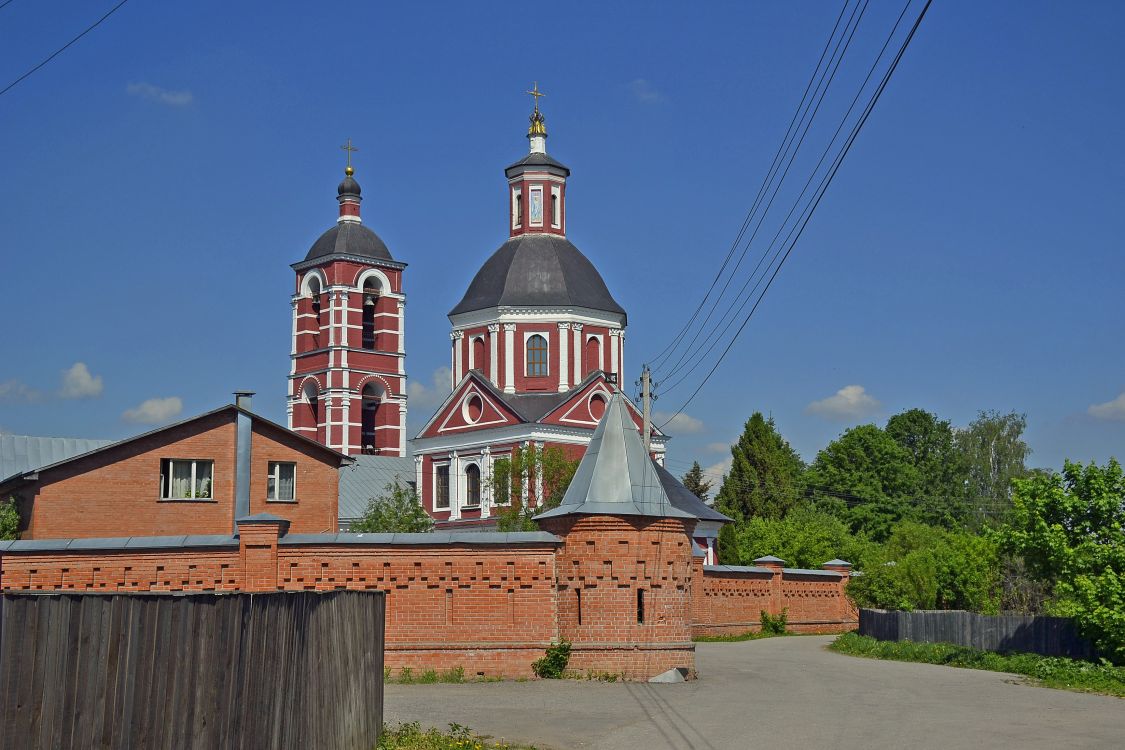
(349, 238)
(616, 475)
(368, 478)
(133, 542)
(433, 537)
(685, 500)
(23, 453)
(538, 270)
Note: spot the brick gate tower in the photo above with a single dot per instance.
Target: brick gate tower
(347, 379)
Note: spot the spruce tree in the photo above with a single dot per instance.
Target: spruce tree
(694, 481)
(765, 477)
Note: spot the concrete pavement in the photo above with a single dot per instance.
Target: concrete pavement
(776, 693)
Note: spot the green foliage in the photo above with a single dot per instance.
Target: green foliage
(1069, 529)
(764, 480)
(411, 736)
(994, 453)
(775, 624)
(941, 467)
(695, 482)
(514, 511)
(553, 664)
(9, 519)
(805, 538)
(1051, 671)
(398, 511)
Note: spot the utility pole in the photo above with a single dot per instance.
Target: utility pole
(646, 406)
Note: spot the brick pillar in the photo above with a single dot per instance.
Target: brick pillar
(775, 565)
(700, 614)
(845, 610)
(258, 537)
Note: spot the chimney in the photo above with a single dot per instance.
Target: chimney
(242, 399)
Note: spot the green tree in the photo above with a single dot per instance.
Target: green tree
(867, 478)
(695, 482)
(515, 507)
(9, 519)
(805, 538)
(994, 453)
(764, 480)
(398, 511)
(1069, 529)
(942, 470)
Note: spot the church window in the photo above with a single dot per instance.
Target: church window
(517, 208)
(370, 304)
(537, 357)
(593, 354)
(472, 485)
(281, 482)
(441, 486)
(186, 479)
(556, 204)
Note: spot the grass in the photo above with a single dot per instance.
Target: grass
(1049, 671)
(411, 736)
(408, 676)
(749, 635)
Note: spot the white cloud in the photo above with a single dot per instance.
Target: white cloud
(716, 472)
(17, 390)
(154, 411)
(77, 382)
(680, 423)
(645, 92)
(158, 94)
(427, 397)
(1112, 410)
(718, 447)
(849, 401)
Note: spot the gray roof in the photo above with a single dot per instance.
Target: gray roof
(433, 537)
(349, 238)
(769, 571)
(683, 498)
(368, 477)
(534, 270)
(23, 453)
(537, 160)
(131, 542)
(616, 475)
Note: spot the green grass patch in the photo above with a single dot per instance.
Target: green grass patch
(408, 676)
(1050, 671)
(411, 736)
(749, 635)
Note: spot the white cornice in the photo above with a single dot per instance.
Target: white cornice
(537, 315)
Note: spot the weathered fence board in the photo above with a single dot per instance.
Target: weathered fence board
(277, 670)
(1049, 636)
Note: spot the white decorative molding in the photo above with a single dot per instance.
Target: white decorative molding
(564, 361)
(509, 358)
(494, 359)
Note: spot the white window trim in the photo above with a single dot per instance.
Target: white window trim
(556, 207)
(532, 190)
(275, 474)
(527, 337)
(475, 461)
(165, 494)
(601, 352)
(517, 206)
(448, 486)
(498, 457)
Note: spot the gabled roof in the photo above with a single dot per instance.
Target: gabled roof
(616, 475)
(28, 473)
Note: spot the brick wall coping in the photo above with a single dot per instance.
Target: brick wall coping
(117, 543)
(769, 571)
(427, 538)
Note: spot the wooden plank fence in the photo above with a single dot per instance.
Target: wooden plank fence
(1049, 636)
(123, 670)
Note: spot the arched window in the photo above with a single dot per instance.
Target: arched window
(478, 353)
(314, 292)
(517, 219)
(370, 308)
(312, 401)
(370, 399)
(537, 357)
(472, 485)
(593, 354)
(555, 209)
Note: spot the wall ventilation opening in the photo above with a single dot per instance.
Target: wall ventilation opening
(640, 606)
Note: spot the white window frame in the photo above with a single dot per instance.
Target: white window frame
(531, 193)
(480, 490)
(517, 208)
(498, 457)
(275, 475)
(448, 488)
(166, 480)
(527, 337)
(556, 207)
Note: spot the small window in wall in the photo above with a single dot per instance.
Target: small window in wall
(185, 479)
(578, 604)
(556, 214)
(472, 485)
(441, 486)
(517, 208)
(537, 357)
(640, 606)
(281, 482)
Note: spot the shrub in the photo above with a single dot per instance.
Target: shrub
(775, 624)
(398, 511)
(9, 519)
(554, 662)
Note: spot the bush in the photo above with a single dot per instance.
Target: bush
(805, 538)
(9, 519)
(398, 511)
(775, 624)
(553, 663)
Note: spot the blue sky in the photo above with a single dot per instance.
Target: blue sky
(161, 175)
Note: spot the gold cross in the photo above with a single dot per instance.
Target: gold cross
(536, 93)
(349, 148)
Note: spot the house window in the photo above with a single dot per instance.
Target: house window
(185, 478)
(441, 486)
(472, 485)
(282, 481)
(537, 357)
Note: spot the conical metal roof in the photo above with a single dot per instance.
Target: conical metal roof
(616, 476)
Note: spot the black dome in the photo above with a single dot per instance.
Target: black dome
(348, 186)
(350, 238)
(534, 270)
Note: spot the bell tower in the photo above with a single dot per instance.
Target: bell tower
(537, 184)
(347, 378)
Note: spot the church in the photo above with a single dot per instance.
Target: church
(537, 350)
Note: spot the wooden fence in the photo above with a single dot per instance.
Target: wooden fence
(1049, 636)
(278, 670)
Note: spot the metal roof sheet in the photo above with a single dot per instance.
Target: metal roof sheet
(368, 478)
(23, 453)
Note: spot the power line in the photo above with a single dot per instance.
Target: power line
(5, 4)
(803, 222)
(63, 48)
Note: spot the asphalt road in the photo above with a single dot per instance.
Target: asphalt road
(777, 693)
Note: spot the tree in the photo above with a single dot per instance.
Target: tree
(867, 478)
(942, 469)
(994, 453)
(1069, 529)
(9, 519)
(510, 475)
(805, 538)
(398, 511)
(764, 480)
(695, 482)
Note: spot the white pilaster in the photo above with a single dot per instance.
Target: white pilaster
(402, 427)
(454, 486)
(418, 486)
(401, 327)
(494, 359)
(579, 352)
(564, 360)
(485, 482)
(539, 474)
(509, 358)
(614, 352)
(458, 367)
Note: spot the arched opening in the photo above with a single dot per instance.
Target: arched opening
(472, 485)
(536, 357)
(315, 292)
(593, 354)
(312, 408)
(518, 218)
(370, 401)
(371, 292)
(555, 209)
(478, 353)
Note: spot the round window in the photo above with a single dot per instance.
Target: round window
(473, 408)
(597, 406)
